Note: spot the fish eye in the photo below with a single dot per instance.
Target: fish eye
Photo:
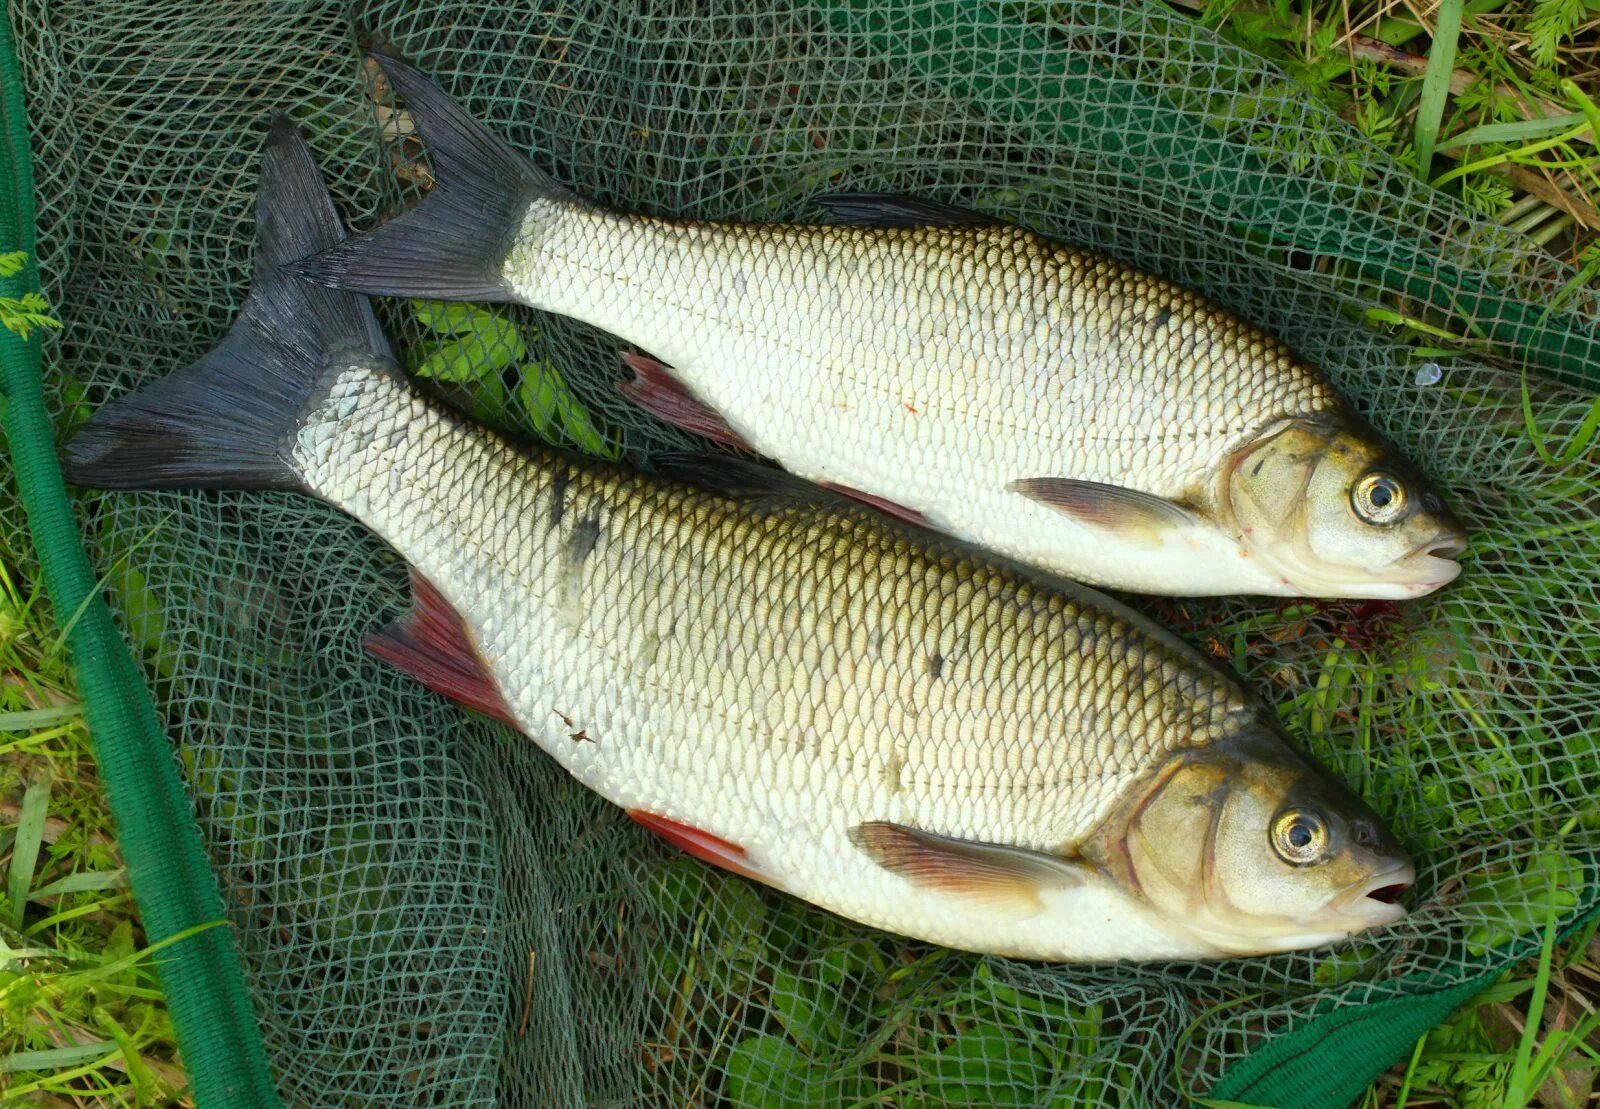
(1299, 836)
(1378, 498)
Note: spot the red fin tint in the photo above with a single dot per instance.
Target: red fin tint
(702, 845)
(654, 389)
(431, 644)
(888, 508)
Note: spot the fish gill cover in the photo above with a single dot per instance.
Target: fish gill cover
(428, 909)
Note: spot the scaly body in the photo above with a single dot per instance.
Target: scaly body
(776, 677)
(1054, 405)
(865, 715)
(932, 366)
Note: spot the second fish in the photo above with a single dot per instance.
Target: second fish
(1051, 404)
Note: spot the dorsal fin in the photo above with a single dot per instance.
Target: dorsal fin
(743, 479)
(895, 210)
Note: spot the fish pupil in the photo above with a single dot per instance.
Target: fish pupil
(1300, 834)
(1381, 496)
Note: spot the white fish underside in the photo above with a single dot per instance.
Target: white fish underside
(918, 367)
(777, 683)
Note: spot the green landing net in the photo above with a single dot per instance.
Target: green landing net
(426, 910)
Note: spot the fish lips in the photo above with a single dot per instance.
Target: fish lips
(1375, 902)
(1434, 564)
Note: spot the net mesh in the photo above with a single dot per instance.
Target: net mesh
(428, 910)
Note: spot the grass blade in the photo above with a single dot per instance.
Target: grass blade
(25, 851)
(28, 719)
(1522, 130)
(56, 1058)
(1520, 1086)
(1436, 82)
(86, 881)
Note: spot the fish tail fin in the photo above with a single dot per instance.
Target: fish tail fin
(453, 245)
(228, 421)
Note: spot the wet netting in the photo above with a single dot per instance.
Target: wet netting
(428, 911)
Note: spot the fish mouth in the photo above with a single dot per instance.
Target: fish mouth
(1376, 902)
(1432, 565)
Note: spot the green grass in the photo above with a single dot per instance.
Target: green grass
(81, 1015)
(1484, 99)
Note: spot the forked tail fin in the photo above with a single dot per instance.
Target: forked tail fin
(453, 245)
(229, 420)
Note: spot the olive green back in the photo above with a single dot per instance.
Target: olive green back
(428, 912)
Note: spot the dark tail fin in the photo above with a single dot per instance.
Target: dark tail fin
(454, 244)
(228, 420)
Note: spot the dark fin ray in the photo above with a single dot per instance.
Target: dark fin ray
(887, 507)
(761, 486)
(743, 479)
(654, 389)
(894, 210)
(702, 845)
(1006, 878)
(431, 644)
(227, 421)
(1124, 511)
(454, 244)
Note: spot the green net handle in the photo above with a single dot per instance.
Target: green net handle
(172, 881)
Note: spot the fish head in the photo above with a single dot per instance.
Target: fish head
(1333, 511)
(1249, 849)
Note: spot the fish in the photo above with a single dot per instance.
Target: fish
(1049, 403)
(860, 712)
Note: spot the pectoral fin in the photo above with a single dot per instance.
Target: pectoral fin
(1008, 879)
(1141, 517)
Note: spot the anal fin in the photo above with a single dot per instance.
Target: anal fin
(432, 645)
(654, 389)
(702, 845)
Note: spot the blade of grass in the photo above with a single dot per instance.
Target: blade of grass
(28, 719)
(1508, 155)
(1522, 130)
(1411, 1072)
(1519, 1086)
(1436, 82)
(25, 851)
(84, 882)
(55, 1058)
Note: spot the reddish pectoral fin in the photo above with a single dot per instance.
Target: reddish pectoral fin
(887, 507)
(1142, 517)
(431, 644)
(1007, 879)
(654, 389)
(702, 845)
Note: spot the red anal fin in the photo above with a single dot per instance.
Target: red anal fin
(431, 644)
(654, 389)
(887, 507)
(702, 845)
